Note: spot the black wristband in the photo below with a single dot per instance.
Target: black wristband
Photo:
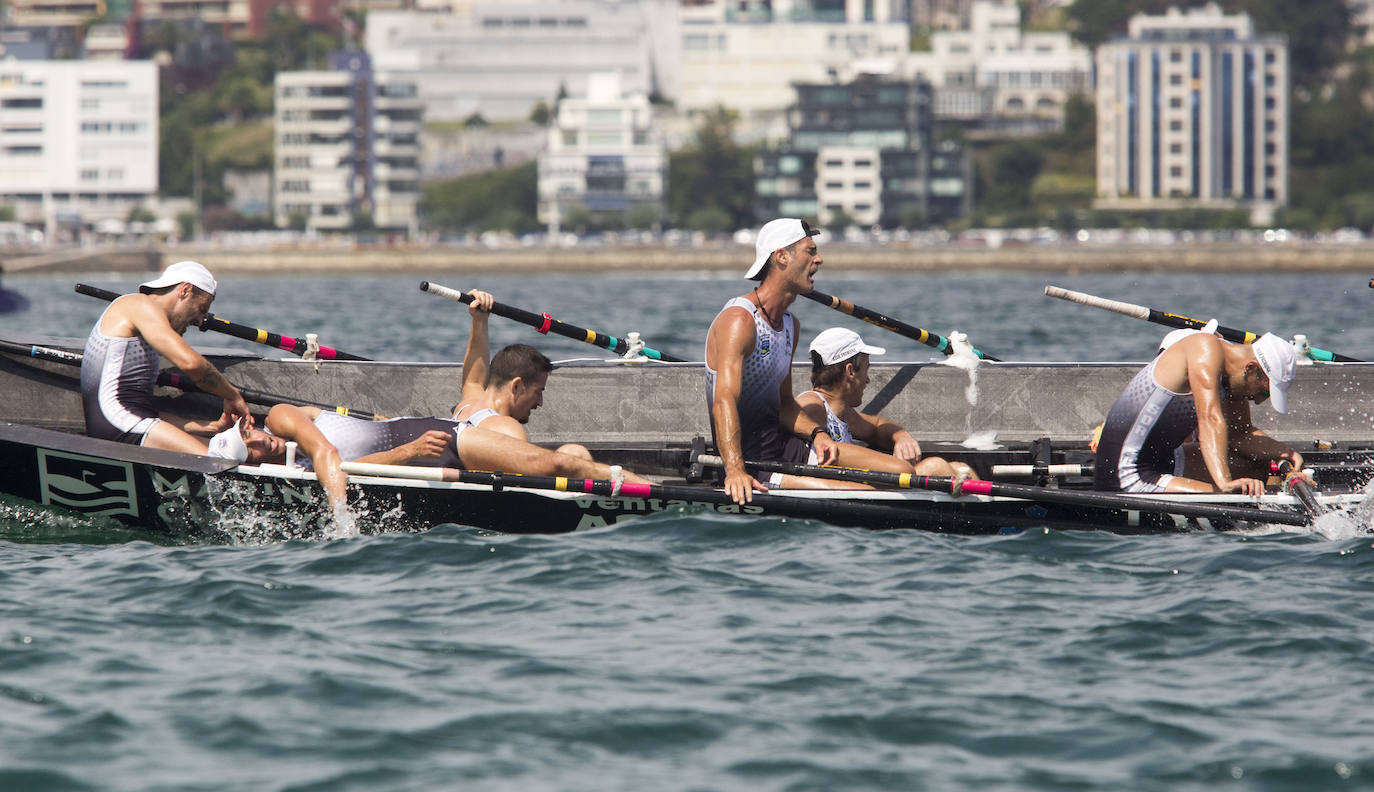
(819, 430)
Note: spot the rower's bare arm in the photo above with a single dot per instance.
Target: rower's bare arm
(290, 422)
(729, 341)
(1205, 372)
(803, 424)
(151, 323)
(429, 445)
(478, 353)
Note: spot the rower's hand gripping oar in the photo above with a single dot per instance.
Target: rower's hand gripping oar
(897, 326)
(547, 324)
(1179, 321)
(1102, 500)
(296, 346)
(181, 381)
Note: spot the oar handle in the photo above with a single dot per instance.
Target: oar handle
(1178, 321)
(1295, 483)
(184, 383)
(546, 324)
(1101, 500)
(846, 513)
(886, 322)
(296, 346)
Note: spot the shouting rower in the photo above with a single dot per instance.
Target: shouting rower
(120, 364)
(1201, 384)
(749, 352)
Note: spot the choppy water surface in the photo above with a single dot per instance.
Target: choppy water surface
(686, 651)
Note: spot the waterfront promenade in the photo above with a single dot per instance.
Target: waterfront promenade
(904, 256)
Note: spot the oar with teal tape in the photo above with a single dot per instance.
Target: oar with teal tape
(547, 324)
(1179, 321)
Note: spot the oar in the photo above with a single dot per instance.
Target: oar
(547, 324)
(1295, 483)
(845, 513)
(888, 323)
(1102, 500)
(1178, 321)
(296, 346)
(181, 381)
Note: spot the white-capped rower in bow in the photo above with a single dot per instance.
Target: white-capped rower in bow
(1198, 383)
(120, 364)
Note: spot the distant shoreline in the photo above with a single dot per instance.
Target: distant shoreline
(1070, 258)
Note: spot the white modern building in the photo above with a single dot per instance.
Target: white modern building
(1192, 110)
(347, 147)
(78, 140)
(603, 155)
(500, 59)
(999, 78)
(745, 55)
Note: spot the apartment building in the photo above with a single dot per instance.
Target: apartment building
(746, 54)
(865, 149)
(78, 140)
(995, 79)
(499, 60)
(603, 155)
(347, 148)
(1192, 110)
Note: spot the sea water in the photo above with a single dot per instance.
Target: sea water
(685, 650)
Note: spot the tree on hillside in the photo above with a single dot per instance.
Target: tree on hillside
(714, 173)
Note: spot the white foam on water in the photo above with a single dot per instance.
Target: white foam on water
(985, 440)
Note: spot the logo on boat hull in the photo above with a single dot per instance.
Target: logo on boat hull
(86, 484)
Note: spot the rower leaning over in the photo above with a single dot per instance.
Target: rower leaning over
(1204, 384)
(749, 352)
(120, 364)
(500, 393)
(839, 375)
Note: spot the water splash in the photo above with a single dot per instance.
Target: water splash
(964, 358)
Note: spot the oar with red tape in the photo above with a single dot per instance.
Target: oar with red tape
(547, 324)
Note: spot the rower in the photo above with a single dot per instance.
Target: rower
(427, 442)
(1204, 384)
(500, 393)
(120, 364)
(839, 375)
(749, 352)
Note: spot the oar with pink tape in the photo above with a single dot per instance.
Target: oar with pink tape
(296, 346)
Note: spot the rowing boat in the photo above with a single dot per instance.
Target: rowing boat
(652, 419)
(185, 495)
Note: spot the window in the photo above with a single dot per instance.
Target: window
(834, 163)
(1176, 79)
(863, 185)
(1176, 172)
(1175, 126)
(22, 103)
(863, 163)
(834, 185)
(90, 174)
(569, 138)
(1176, 101)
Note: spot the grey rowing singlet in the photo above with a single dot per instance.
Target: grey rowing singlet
(1144, 429)
(117, 379)
(764, 370)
